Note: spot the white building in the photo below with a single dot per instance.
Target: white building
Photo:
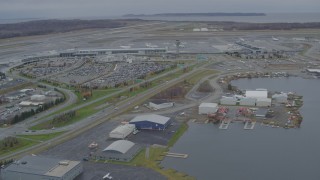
(247, 102)
(204, 29)
(280, 98)
(228, 100)
(259, 93)
(263, 102)
(160, 104)
(208, 108)
(122, 131)
(38, 97)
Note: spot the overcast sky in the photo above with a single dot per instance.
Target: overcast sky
(103, 8)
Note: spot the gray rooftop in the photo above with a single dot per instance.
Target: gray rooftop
(152, 118)
(121, 146)
(41, 166)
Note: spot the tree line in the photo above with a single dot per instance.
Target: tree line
(26, 114)
(8, 142)
(63, 117)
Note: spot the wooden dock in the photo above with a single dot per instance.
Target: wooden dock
(249, 125)
(176, 155)
(224, 125)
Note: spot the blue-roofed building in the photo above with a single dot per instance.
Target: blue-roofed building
(151, 121)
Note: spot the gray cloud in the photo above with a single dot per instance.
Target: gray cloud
(82, 8)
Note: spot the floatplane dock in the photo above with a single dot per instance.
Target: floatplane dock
(248, 124)
(224, 124)
(176, 155)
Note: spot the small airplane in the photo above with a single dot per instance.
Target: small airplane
(107, 176)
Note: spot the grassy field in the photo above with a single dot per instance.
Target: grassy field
(41, 137)
(199, 76)
(182, 129)
(23, 143)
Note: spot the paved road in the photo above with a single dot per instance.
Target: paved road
(23, 126)
(103, 115)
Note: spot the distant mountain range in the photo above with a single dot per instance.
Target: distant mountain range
(195, 14)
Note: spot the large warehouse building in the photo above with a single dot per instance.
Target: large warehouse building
(259, 93)
(247, 102)
(228, 100)
(280, 98)
(263, 102)
(151, 121)
(122, 131)
(121, 150)
(208, 108)
(36, 167)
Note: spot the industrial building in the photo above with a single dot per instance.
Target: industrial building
(160, 104)
(208, 108)
(228, 100)
(247, 101)
(36, 167)
(29, 103)
(258, 93)
(95, 52)
(314, 71)
(151, 121)
(38, 97)
(121, 150)
(122, 131)
(280, 98)
(263, 102)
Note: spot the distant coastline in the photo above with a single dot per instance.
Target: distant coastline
(194, 14)
(42, 27)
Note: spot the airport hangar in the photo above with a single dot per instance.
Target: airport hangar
(151, 121)
(120, 150)
(37, 167)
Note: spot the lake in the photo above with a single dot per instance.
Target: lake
(261, 154)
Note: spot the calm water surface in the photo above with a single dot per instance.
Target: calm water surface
(261, 154)
(269, 18)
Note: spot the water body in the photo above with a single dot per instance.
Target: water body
(269, 18)
(263, 153)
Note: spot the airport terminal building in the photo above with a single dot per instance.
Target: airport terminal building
(36, 167)
(95, 52)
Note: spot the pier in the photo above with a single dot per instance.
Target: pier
(176, 155)
(249, 125)
(224, 125)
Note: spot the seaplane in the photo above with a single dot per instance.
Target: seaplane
(107, 176)
(275, 39)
